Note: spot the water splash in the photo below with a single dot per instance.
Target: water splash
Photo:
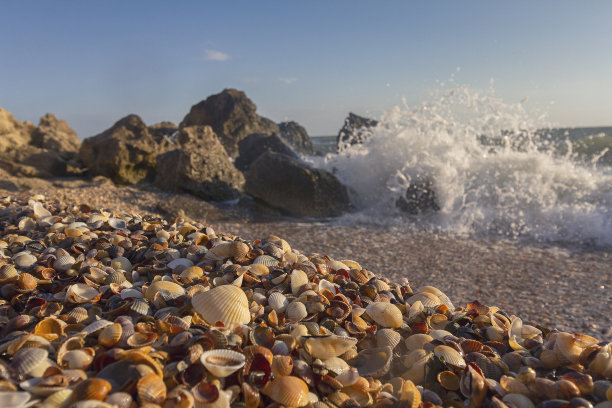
(493, 173)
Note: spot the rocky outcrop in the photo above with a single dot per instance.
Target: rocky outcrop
(232, 117)
(354, 130)
(164, 132)
(44, 151)
(56, 135)
(199, 166)
(297, 189)
(126, 153)
(253, 146)
(297, 137)
(420, 197)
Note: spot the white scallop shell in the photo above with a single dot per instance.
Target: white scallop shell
(385, 314)
(296, 311)
(299, 280)
(278, 302)
(63, 263)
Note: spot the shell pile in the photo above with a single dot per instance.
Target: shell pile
(102, 311)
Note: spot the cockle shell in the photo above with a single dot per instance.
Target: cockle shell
(325, 347)
(385, 314)
(151, 388)
(439, 294)
(387, 337)
(278, 302)
(81, 293)
(374, 362)
(449, 356)
(289, 391)
(92, 389)
(29, 359)
(63, 263)
(110, 335)
(299, 280)
(296, 311)
(168, 290)
(24, 260)
(225, 250)
(227, 304)
(14, 399)
(192, 272)
(282, 365)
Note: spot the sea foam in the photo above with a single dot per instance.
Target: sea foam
(493, 172)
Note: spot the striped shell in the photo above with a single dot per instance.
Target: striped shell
(8, 271)
(325, 347)
(429, 300)
(388, 338)
(227, 304)
(29, 359)
(374, 362)
(95, 327)
(439, 294)
(385, 314)
(289, 391)
(168, 290)
(265, 260)
(110, 335)
(151, 388)
(192, 272)
(296, 311)
(225, 250)
(81, 293)
(278, 302)
(299, 280)
(449, 356)
(63, 263)
(222, 363)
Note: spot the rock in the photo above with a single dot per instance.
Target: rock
(13, 133)
(297, 137)
(164, 131)
(56, 135)
(290, 185)
(200, 166)
(31, 161)
(354, 130)
(420, 197)
(232, 117)
(253, 146)
(126, 153)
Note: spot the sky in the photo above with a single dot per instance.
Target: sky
(94, 62)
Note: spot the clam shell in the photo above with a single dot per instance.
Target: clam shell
(222, 363)
(227, 304)
(278, 302)
(110, 335)
(92, 389)
(122, 263)
(282, 365)
(289, 391)
(417, 341)
(117, 223)
(81, 293)
(388, 338)
(14, 399)
(439, 294)
(140, 307)
(39, 210)
(337, 265)
(168, 290)
(63, 263)
(429, 300)
(385, 314)
(95, 327)
(374, 362)
(8, 271)
(24, 260)
(325, 347)
(29, 359)
(296, 311)
(266, 260)
(151, 388)
(299, 280)
(192, 272)
(449, 356)
(225, 250)
(131, 293)
(348, 377)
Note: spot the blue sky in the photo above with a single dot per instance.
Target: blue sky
(93, 62)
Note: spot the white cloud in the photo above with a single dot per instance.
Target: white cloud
(216, 55)
(287, 80)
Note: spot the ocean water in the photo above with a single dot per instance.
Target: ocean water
(496, 169)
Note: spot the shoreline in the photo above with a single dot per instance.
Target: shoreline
(551, 286)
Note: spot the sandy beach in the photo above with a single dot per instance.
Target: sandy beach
(552, 287)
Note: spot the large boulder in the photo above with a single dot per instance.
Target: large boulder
(56, 135)
(164, 132)
(200, 166)
(126, 153)
(286, 183)
(232, 117)
(253, 146)
(13, 133)
(297, 137)
(354, 130)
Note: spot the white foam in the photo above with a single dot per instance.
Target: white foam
(516, 187)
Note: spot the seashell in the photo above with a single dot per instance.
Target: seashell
(8, 271)
(24, 260)
(266, 260)
(77, 359)
(117, 223)
(387, 338)
(449, 356)
(262, 336)
(282, 365)
(428, 300)
(94, 327)
(517, 400)
(415, 363)
(120, 399)
(131, 293)
(151, 388)
(140, 307)
(58, 399)
(92, 389)
(115, 277)
(289, 391)
(26, 282)
(29, 359)
(299, 280)
(192, 272)
(223, 250)
(138, 340)
(439, 294)
(39, 210)
(296, 311)
(374, 362)
(337, 265)
(222, 363)
(259, 269)
(385, 314)
(81, 293)
(14, 399)
(348, 377)
(110, 335)
(439, 334)
(227, 304)
(449, 380)
(325, 347)
(168, 290)
(179, 264)
(278, 302)
(63, 263)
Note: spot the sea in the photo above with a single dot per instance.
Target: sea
(497, 170)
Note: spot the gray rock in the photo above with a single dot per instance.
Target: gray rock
(419, 197)
(354, 130)
(297, 137)
(126, 153)
(200, 166)
(253, 146)
(290, 185)
(232, 117)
